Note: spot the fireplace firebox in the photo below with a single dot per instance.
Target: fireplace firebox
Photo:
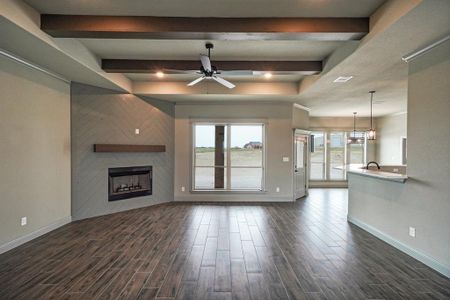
(129, 182)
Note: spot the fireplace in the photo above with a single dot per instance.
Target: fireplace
(129, 182)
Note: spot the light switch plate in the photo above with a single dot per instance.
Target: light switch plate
(278, 189)
(412, 231)
(23, 221)
(285, 159)
(183, 189)
(136, 131)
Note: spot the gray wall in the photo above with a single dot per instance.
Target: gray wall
(34, 151)
(102, 116)
(279, 136)
(390, 130)
(423, 201)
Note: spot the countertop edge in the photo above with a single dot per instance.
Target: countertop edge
(375, 174)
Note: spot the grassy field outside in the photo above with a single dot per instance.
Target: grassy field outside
(251, 177)
(241, 177)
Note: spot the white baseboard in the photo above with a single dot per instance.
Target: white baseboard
(429, 261)
(31, 236)
(233, 199)
(328, 184)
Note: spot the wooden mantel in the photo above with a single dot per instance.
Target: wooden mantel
(128, 148)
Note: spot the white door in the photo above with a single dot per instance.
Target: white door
(300, 164)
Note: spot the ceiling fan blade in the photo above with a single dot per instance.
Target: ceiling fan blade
(196, 81)
(206, 63)
(223, 82)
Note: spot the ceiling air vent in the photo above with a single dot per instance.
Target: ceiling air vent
(342, 79)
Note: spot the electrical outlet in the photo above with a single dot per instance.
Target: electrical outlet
(412, 231)
(285, 159)
(23, 221)
(278, 189)
(136, 131)
(183, 189)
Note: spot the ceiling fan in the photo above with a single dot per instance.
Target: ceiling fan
(208, 71)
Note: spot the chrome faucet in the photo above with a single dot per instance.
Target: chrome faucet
(372, 162)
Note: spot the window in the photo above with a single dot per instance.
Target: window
(228, 157)
(330, 152)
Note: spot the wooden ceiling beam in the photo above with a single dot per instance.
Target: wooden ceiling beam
(153, 66)
(144, 27)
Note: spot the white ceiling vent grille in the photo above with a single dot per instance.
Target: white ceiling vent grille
(342, 79)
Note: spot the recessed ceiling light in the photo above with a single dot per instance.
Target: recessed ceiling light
(159, 74)
(342, 79)
(268, 75)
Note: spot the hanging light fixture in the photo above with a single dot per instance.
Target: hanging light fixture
(353, 139)
(371, 133)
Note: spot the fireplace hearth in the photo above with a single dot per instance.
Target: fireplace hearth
(129, 182)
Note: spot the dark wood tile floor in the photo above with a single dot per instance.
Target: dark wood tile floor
(302, 250)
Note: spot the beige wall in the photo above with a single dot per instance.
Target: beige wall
(346, 123)
(423, 201)
(300, 118)
(279, 136)
(34, 151)
(390, 130)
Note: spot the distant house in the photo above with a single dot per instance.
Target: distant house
(253, 145)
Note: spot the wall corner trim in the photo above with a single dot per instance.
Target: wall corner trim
(425, 259)
(32, 235)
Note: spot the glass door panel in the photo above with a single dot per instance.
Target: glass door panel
(318, 149)
(337, 156)
(356, 151)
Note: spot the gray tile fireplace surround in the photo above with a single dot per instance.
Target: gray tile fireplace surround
(103, 116)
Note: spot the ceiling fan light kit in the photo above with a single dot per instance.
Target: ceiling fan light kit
(208, 71)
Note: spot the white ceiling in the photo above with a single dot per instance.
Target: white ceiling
(223, 50)
(233, 78)
(375, 63)
(211, 8)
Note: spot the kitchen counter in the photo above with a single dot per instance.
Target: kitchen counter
(380, 174)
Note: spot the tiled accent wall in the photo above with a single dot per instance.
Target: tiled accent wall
(106, 117)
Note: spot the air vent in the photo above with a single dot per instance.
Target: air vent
(342, 79)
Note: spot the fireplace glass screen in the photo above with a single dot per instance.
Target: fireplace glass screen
(129, 182)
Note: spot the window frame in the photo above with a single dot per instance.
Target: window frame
(228, 167)
(327, 133)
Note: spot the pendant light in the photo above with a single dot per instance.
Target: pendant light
(353, 139)
(371, 133)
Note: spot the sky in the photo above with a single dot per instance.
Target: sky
(240, 135)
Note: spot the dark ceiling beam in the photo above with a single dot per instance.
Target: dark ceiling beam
(143, 27)
(153, 66)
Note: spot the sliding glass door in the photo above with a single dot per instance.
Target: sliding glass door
(337, 156)
(330, 153)
(356, 152)
(318, 160)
